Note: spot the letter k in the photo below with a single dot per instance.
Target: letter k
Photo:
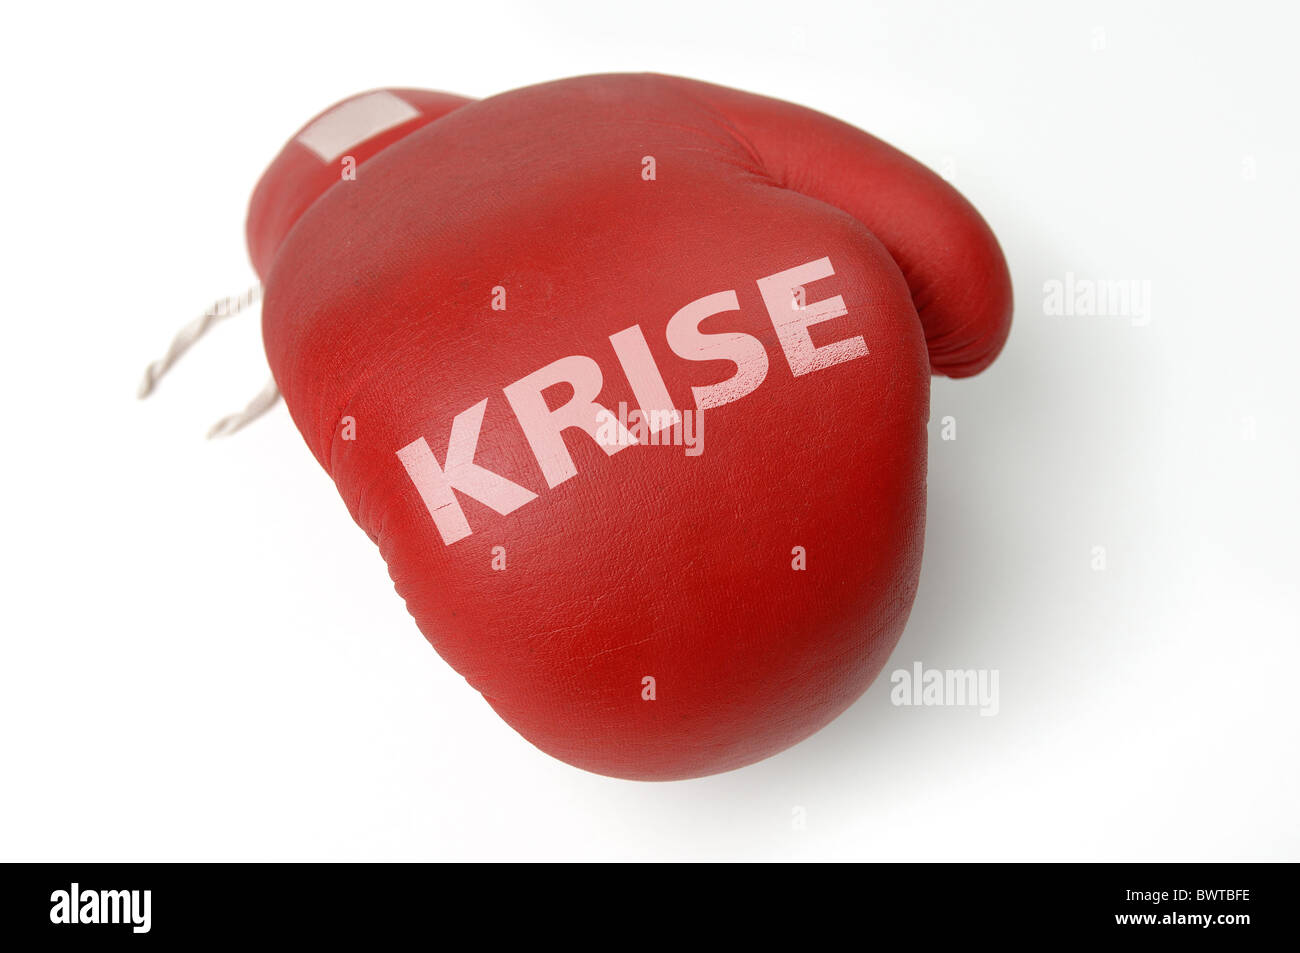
(435, 484)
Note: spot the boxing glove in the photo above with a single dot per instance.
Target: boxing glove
(628, 378)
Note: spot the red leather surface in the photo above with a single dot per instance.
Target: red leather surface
(297, 177)
(648, 561)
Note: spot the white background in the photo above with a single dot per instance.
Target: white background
(202, 656)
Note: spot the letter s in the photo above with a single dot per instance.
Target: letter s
(744, 350)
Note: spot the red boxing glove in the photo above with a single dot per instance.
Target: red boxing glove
(627, 376)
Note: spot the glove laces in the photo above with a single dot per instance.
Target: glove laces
(188, 336)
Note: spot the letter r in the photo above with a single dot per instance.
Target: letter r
(435, 484)
(544, 427)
